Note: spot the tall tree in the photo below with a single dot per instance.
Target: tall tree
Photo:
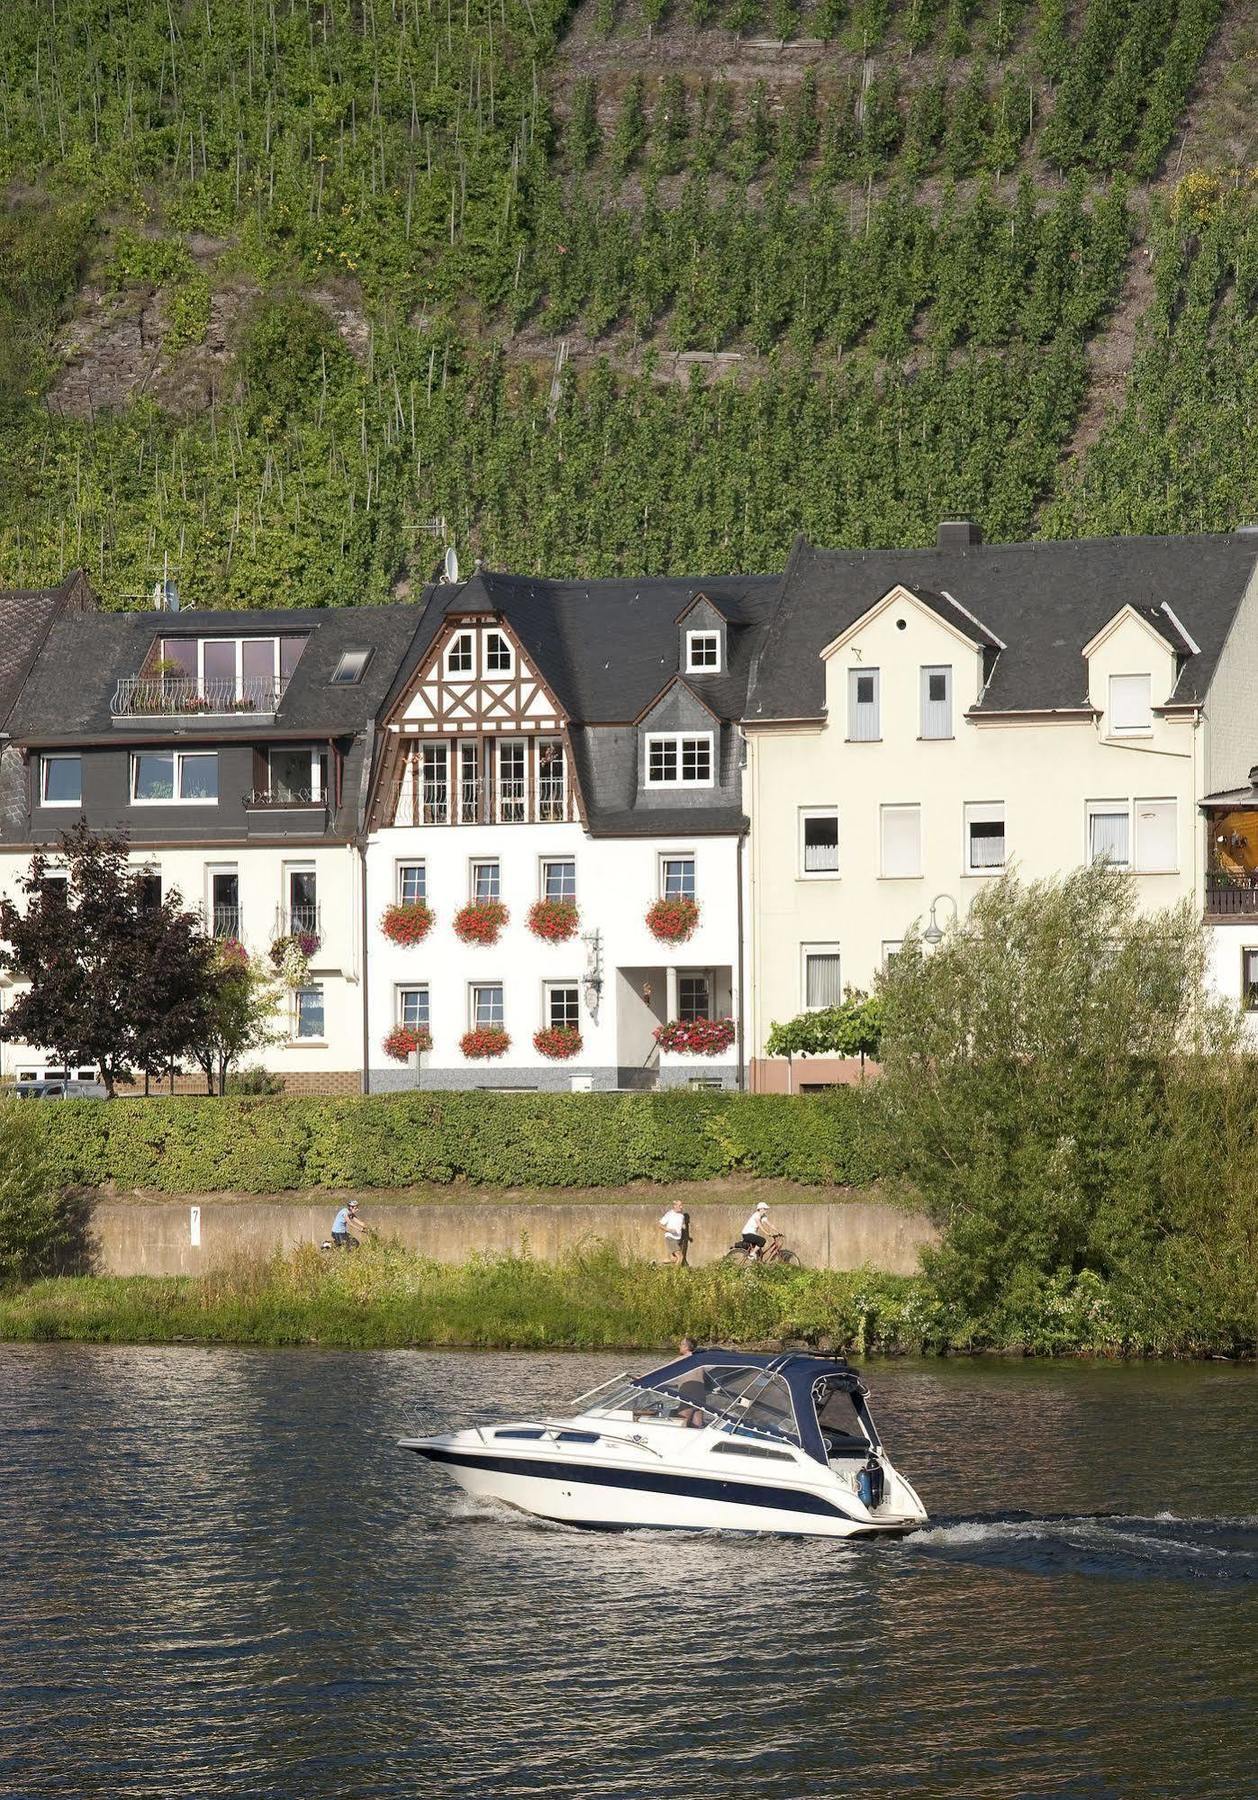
(114, 980)
(241, 1015)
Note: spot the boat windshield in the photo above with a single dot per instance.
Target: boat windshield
(749, 1400)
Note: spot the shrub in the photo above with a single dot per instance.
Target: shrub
(696, 1037)
(409, 922)
(41, 1232)
(559, 1042)
(254, 1081)
(404, 1040)
(480, 921)
(553, 920)
(485, 1042)
(673, 921)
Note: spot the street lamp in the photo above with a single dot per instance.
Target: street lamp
(932, 934)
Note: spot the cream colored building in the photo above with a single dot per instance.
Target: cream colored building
(920, 721)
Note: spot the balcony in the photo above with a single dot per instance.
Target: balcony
(1231, 896)
(299, 920)
(505, 802)
(159, 698)
(224, 921)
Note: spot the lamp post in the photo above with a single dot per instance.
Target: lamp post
(932, 935)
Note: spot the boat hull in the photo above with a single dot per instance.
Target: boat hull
(636, 1498)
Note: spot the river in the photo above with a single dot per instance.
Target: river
(219, 1578)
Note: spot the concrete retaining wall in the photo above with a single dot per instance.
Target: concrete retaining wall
(156, 1236)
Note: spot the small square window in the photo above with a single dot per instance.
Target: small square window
(61, 780)
(694, 997)
(563, 1009)
(459, 655)
(677, 877)
(350, 667)
(412, 1006)
(703, 652)
(820, 833)
(412, 882)
(559, 878)
(497, 653)
(662, 760)
(1249, 980)
(487, 1005)
(308, 1008)
(984, 838)
(486, 880)
(696, 759)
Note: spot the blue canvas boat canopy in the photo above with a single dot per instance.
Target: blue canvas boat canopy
(809, 1379)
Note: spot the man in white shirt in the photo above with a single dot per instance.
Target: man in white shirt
(676, 1228)
(755, 1231)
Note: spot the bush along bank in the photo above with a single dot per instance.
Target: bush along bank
(267, 1145)
(383, 1297)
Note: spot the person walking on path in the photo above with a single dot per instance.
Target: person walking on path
(676, 1228)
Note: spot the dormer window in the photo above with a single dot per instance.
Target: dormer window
(674, 759)
(459, 655)
(1130, 704)
(498, 659)
(703, 653)
(350, 667)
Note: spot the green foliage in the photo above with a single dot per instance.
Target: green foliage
(42, 252)
(1054, 1086)
(601, 1140)
(852, 1029)
(631, 127)
(41, 1231)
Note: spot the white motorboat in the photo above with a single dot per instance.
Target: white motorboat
(721, 1440)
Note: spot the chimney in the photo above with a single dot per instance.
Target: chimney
(958, 534)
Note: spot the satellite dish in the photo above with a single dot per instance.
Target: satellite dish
(452, 564)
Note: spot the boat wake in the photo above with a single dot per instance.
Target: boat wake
(1161, 1546)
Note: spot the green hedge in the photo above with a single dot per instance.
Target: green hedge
(264, 1145)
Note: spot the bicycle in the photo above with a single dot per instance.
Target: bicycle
(774, 1249)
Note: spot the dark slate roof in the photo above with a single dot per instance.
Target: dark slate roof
(25, 616)
(1044, 600)
(607, 648)
(104, 648)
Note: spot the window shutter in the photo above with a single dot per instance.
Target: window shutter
(901, 840)
(1130, 702)
(862, 707)
(936, 712)
(1156, 847)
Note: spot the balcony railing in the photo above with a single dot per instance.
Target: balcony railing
(162, 696)
(301, 800)
(225, 921)
(1231, 896)
(504, 802)
(304, 919)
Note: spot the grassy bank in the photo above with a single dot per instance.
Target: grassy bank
(385, 1297)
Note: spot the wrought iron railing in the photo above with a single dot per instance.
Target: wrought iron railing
(262, 798)
(160, 696)
(550, 799)
(225, 921)
(299, 919)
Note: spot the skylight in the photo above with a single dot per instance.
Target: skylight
(350, 667)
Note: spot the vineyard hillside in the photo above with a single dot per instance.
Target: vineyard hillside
(296, 293)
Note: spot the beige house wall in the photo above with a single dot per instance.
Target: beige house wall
(1044, 770)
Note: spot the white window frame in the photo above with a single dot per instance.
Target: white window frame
(316, 753)
(694, 639)
(926, 703)
(58, 756)
(179, 757)
(679, 740)
(548, 862)
(484, 862)
(513, 811)
(806, 952)
(708, 978)
(1248, 987)
(1144, 727)
(681, 856)
(1103, 808)
(489, 668)
(400, 991)
(857, 673)
(457, 642)
(539, 745)
(906, 806)
(483, 987)
(817, 812)
(552, 987)
(891, 948)
(983, 812)
(300, 1037)
(399, 869)
(1135, 841)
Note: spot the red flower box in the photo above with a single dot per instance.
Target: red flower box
(480, 921)
(696, 1037)
(559, 1042)
(554, 920)
(673, 921)
(404, 1040)
(409, 922)
(485, 1042)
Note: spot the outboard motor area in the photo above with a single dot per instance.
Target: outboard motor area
(871, 1484)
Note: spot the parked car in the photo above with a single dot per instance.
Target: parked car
(60, 1090)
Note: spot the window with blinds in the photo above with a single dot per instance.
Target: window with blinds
(901, 830)
(862, 706)
(984, 837)
(1109, 833)
(937, 702)
(822, 983)
(1130, 703)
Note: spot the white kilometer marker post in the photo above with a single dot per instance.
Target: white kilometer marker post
(194, 1227)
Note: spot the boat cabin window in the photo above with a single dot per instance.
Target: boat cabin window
(836, 1415)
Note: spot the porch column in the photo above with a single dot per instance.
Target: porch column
(670, 991)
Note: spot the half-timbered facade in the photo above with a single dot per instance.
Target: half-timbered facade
(548, 741)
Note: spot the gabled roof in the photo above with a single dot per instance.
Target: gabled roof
(26, 615)
(1044, 600)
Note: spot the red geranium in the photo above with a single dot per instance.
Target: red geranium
(559, 1042)
(486, 1041)
(480, 921)
(409, 922)
(696, 1037)
(404, 1040)
(673, 921)
(554, 920)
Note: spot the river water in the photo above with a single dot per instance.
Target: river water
(218, 1577)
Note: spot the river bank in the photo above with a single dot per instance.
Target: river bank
(383, 1297)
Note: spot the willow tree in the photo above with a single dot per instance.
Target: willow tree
(1046, 1072)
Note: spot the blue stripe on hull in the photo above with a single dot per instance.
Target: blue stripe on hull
(649, 1481)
